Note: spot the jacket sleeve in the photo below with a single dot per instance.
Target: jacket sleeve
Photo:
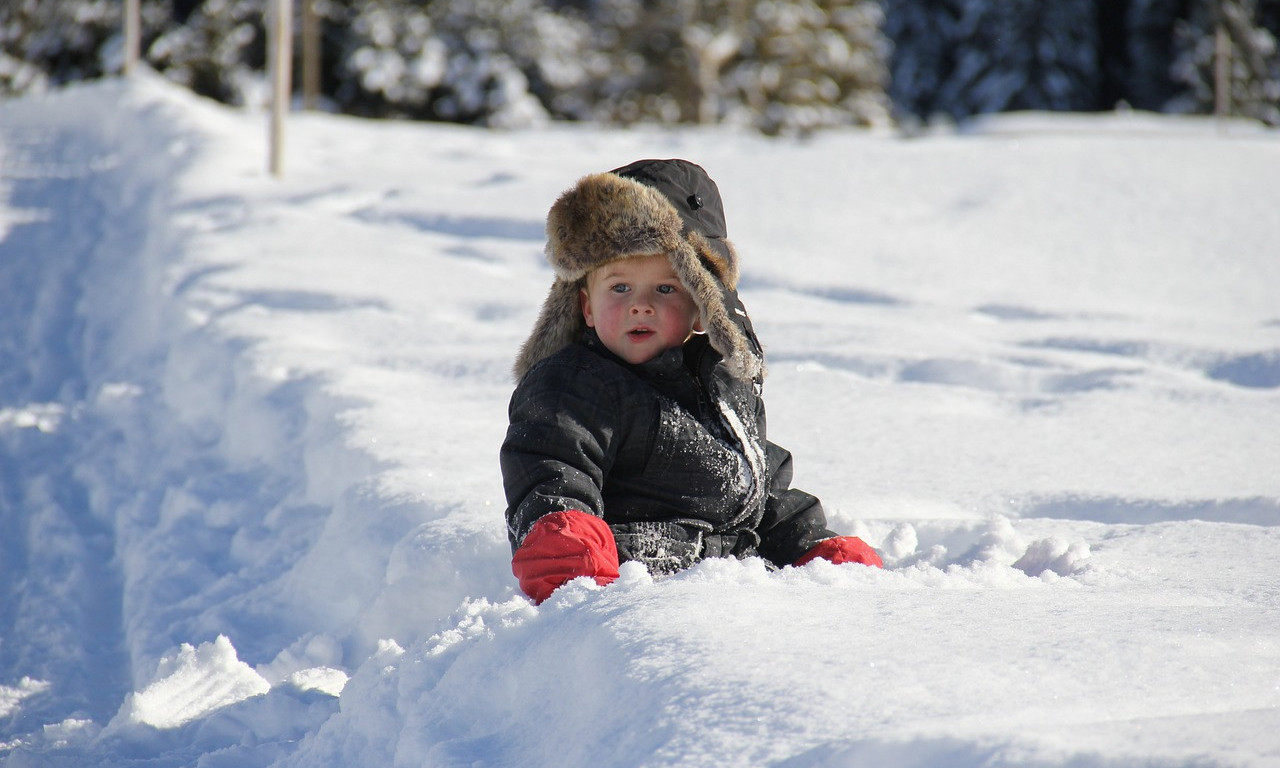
(558, 447)
(793, 520)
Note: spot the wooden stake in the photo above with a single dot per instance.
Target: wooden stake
(132, 34)
(310, 54)
(280, 46)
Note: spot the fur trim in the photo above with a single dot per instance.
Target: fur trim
(559, 324)
(606, 217)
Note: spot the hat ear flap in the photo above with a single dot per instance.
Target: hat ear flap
(725, 322)
(559, 324)
(718, 255)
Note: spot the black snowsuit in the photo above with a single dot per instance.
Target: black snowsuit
(671, 453)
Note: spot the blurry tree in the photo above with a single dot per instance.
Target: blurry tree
(811, 65)
(1115, 61)
(490, 62)
(963, 57)
(1151, 45)
(779, 66)
(926, 41)
(46, 43)
(1025, 54)
(976, 56)
(220, 51)
(782, 66)
(1232, 34)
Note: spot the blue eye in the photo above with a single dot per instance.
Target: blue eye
(666, 289)
(620, 288)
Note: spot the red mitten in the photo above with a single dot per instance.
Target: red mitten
(843, 549)
(562, 546)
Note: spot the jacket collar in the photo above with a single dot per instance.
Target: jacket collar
(667, 365)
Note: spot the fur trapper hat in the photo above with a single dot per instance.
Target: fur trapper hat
(647, 207)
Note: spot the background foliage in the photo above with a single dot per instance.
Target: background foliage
(781, 66)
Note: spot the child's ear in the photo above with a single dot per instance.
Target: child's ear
(697, 324)
(584, 300)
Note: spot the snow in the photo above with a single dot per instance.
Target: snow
(251, 515)
(192, 684)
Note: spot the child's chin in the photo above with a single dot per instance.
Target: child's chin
(637, 355)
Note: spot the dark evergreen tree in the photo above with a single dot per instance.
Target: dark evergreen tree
(1151, 26)
(1269, 16)
(925, 38)
(1114, 64)
(1023, 54)
(966, 57)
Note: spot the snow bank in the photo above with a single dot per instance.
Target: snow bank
(251, 514)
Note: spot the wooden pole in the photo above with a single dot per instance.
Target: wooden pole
(280, 47)
(310, 54)
(132, 34)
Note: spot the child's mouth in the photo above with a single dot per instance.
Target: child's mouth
(640, 333)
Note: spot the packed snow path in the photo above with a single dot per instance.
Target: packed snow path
(250, 513)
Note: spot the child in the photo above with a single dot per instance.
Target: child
(637, 429)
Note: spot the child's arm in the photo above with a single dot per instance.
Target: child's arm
(794, 521)
(558, 449)
(794, 528)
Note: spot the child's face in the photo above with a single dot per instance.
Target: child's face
(638, 307)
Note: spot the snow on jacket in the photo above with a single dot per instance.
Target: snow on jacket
(671, 453)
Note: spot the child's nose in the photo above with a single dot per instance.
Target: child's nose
(641, 306)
